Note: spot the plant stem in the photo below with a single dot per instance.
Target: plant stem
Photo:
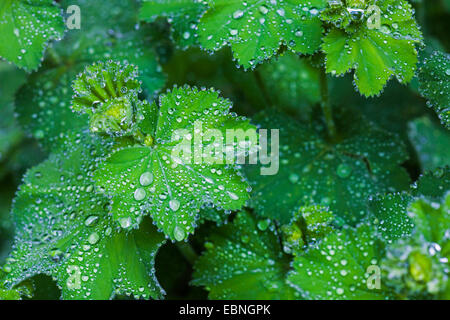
(187, 252)
(325, 104)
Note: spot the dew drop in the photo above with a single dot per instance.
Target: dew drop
(343, 170)
(139, 194)
(146, 179)
(178, 233)
(174, 204)
(93, 238)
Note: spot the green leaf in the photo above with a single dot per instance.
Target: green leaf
(389, 216)
(43, 103)
(24, 289)
(433, 184)
(183, 15)
(244, 260)
(417, 267)
(10, 132)
(308, 225)
(256, 29)
(434, 79)
(293, 82)
(171, 185)
(313, 170)
(337, 268)
(64, 230)
(26, 27)
(376, 54)
(431, 143)
(389, 213)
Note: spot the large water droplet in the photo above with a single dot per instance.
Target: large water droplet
(139, 194)
(93, 238)
(146, 179)
(178, 233)
(125, 222)
(174, 204)
(90, 220)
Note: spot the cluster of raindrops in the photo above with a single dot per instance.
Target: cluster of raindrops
(160, 181)
(355, 46)
(183, 17)
(28, 26)
(250, 253)
(256, 29)
(340, 176)
(336, 267)
(434, 80)
(64, 230)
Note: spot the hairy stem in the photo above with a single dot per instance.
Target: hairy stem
(187, 252)
(325, 104)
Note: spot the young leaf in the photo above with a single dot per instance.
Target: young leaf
(340, 174)
(434, 78)
(375, 52)
(244, 261)
(308, 225)
(43, 104)
(26, 27)
(256, 29)
(431, 143)
(183, 16)
(156, 178)
(108, 93)
(337, 268)
(64, 230)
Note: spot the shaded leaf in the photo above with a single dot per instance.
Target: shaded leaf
(342, 174)
(243, 261)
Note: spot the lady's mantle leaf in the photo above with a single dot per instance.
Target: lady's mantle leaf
(341, 175)
(376, 54)
(256, 29)
(307, 226)
(63, 230)
(338, 268)
(431, 141)
(417, 267)
(389, 213)
(24, 289)
(183, 16)
(293, 83)
(155, 178)
(26, 26)
(434, 77)
(43, 103)
(244, 261)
